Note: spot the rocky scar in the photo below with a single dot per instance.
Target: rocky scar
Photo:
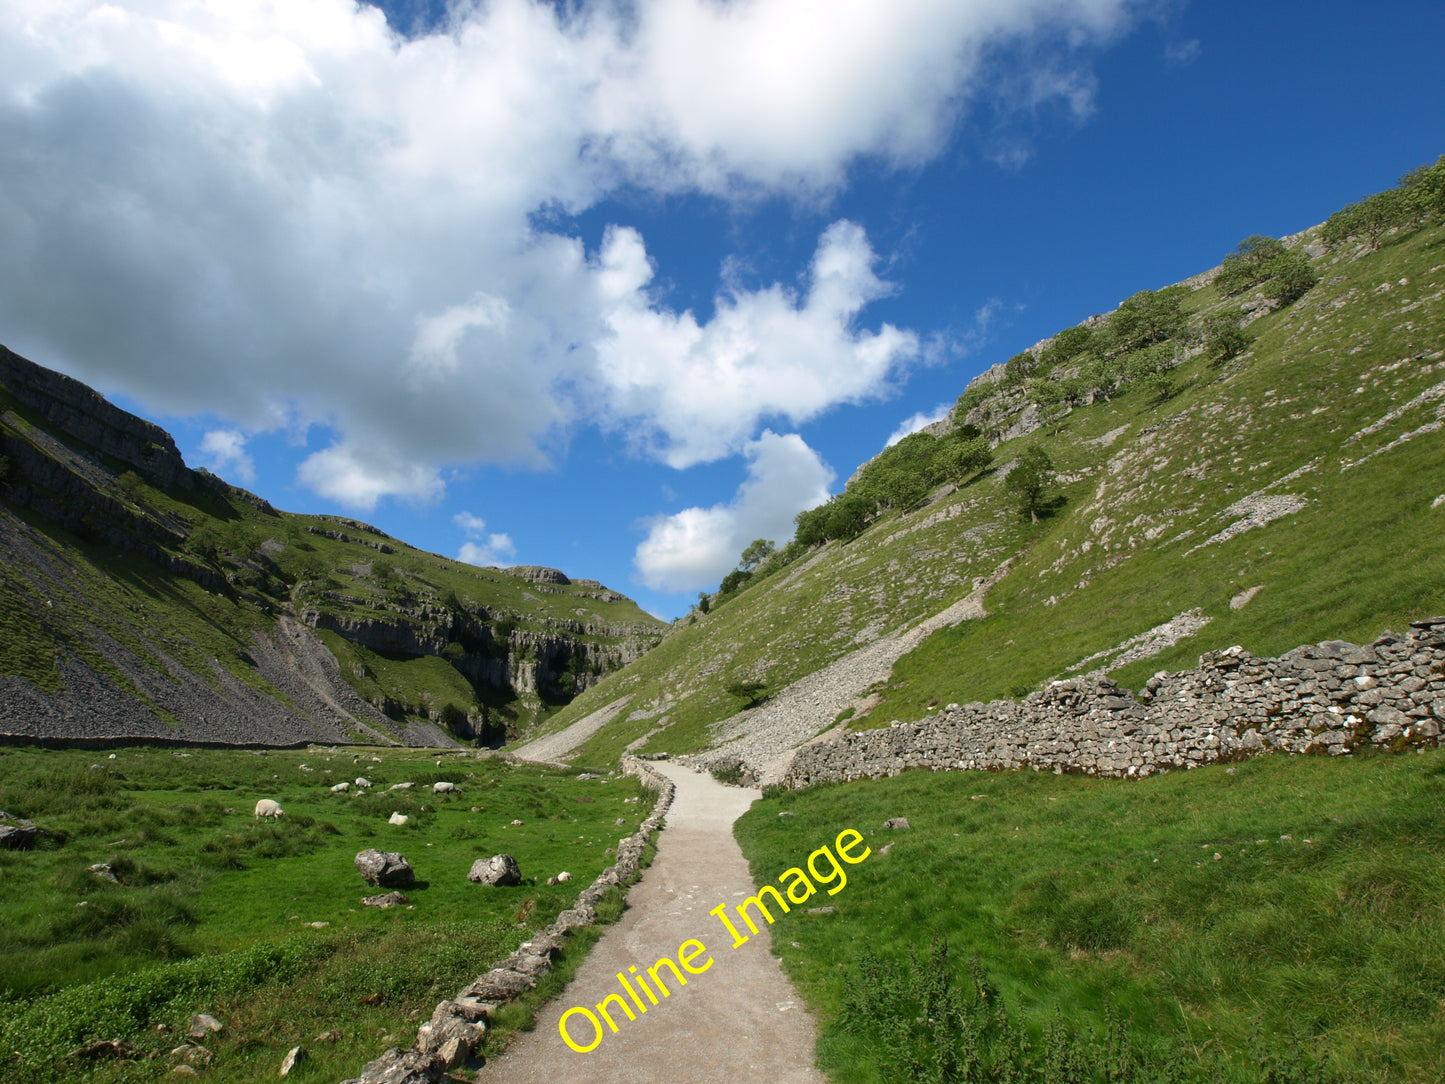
(797, 888)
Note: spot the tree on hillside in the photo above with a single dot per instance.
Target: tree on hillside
(1032, 474)
(1225, 337)
(758, 551)
(1148, 317)
(1285, 273)
(956, 460)
(1066, 345)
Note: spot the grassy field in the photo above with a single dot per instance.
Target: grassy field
(259, 923)
(1264, 921)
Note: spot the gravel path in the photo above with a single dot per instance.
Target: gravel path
(739, 1020)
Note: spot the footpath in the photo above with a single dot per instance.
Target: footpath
(738, 1019)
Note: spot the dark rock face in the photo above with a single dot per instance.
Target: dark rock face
(1323, 699)
(388, 869)
(500, 869)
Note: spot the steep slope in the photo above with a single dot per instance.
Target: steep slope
(139, 598)
(1270, 472)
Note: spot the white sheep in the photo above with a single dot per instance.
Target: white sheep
(397, 818)
(443, 788)
(363, 782)
(341, 788)
(268, 807)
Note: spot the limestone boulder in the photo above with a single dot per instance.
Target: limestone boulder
(499, 870)
(386, 868)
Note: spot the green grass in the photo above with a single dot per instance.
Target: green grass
(214, 910)
(1316, 931)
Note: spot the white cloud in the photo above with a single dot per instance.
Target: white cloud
(287, 215)
(495, 549)
(496, 552)
(696, 392)
(225, 450)
(474, 526)
(359, 476)
(912, 425)
(694, 548)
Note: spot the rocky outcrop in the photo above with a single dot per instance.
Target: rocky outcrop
(78, 411)
(539, 574)
(1327, 699)
(458, 1024)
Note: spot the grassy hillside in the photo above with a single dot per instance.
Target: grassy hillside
(1322, 423)
(260, 924)
(138, 566)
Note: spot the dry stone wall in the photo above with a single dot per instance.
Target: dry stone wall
(1329, 698)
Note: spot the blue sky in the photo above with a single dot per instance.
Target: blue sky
(616, 287)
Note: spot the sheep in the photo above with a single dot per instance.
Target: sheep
(363, 782)
(268, 807)
(341, 788)
(443, 788)
(397, 818)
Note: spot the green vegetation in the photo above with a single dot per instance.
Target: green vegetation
(1254, 922)
(1417, 200)
(214, 909)
(1285, 274)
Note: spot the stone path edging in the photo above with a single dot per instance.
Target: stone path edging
(458, 1025)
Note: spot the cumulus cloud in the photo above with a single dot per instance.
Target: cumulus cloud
(699, 391)
(225, 452)
(923, 418)
(488, 549)
(290, 216)
(496, 552)
(696, 547)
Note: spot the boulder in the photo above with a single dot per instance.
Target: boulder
(500, 869)
(388, 869)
